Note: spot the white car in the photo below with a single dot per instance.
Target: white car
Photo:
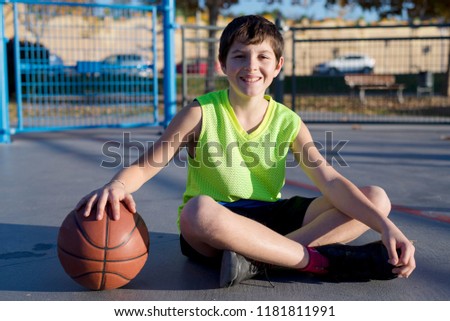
(350, 63)
(128, 64)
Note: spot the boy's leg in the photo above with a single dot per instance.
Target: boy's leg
(323, 224)
(210, 228)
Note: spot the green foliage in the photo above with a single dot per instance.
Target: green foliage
(415, 9)
(189, 7)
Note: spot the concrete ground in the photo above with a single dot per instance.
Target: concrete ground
(43, 175)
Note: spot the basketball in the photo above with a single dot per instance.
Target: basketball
(103, 254)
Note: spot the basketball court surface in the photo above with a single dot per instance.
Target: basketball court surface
(43, 175)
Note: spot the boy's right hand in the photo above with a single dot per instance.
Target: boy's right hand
(112, 193)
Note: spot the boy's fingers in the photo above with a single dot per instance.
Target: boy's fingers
(102, 198)
(392, 251)
(129, 202)
(405, 270)
(407, 254)
(407, 262)
(101, 204)
(411, 265)
(115, 208)
(89, 204)
(83, 201)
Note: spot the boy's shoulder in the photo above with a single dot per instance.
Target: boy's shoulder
(190, 113)
(218, 96)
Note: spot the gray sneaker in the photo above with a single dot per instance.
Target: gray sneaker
(236, 269)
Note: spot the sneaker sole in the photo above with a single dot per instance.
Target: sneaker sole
(228, 269)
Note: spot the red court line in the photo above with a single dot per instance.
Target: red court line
(399, 208)
(431, 215)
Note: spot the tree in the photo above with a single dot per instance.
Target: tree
(416, 9)
(213, 7)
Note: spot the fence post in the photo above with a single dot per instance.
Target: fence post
(293, 76)
(5, 135)
(279, 80)
(169, 77)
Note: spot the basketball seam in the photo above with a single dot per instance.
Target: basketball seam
(85, 235)
(94, 260)
(102, 283)
(89, 240)
(102, 286)
(140, 221)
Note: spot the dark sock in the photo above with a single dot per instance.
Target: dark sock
(317, 264)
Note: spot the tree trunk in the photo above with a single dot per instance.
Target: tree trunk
(210, 74)
(447, 82)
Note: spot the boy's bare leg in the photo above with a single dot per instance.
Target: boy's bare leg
(324, 224)
(210, 227)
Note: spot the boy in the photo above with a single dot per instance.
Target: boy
(237, 141)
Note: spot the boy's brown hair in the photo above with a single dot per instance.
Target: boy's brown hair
(250, 30)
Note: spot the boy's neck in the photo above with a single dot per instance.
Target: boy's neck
(242, 104)
(249, 112)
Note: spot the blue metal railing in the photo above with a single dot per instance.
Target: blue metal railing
(5, 136)
(88, 65)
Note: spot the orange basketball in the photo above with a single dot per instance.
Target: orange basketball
(105, 254)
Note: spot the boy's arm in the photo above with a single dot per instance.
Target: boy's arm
(182, 130)
(347, 198)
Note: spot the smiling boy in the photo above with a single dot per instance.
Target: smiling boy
(232, 211)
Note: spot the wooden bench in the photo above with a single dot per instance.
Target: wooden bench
(364, 82)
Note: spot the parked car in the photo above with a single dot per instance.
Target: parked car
(35, 59)
(126, 64)
(55, 60)
(350, 63)
(198, 66)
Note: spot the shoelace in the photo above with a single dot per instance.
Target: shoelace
(266, 275)
(257, 267)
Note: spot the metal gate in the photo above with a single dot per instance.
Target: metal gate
(73, 65)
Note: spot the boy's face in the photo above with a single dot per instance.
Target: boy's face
(251, 68)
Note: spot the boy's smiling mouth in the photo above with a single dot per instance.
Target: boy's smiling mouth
(250, 79)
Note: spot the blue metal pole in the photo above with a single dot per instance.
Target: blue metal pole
(17, 62)
(169, 77)
(5, 135)
(155, 68)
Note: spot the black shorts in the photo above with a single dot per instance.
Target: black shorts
(283, 216)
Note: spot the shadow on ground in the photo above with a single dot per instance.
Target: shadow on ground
(29, 262)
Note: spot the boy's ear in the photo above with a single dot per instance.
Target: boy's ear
(279, 66)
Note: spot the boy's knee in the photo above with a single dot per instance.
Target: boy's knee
(196, 212)
(378, 197)
(198, 204)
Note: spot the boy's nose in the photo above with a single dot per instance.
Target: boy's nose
(252, 64)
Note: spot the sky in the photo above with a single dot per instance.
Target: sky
(315, 11)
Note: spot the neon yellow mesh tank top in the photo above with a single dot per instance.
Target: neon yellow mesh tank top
(231, 164)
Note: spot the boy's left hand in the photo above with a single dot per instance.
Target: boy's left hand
(401, 251)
